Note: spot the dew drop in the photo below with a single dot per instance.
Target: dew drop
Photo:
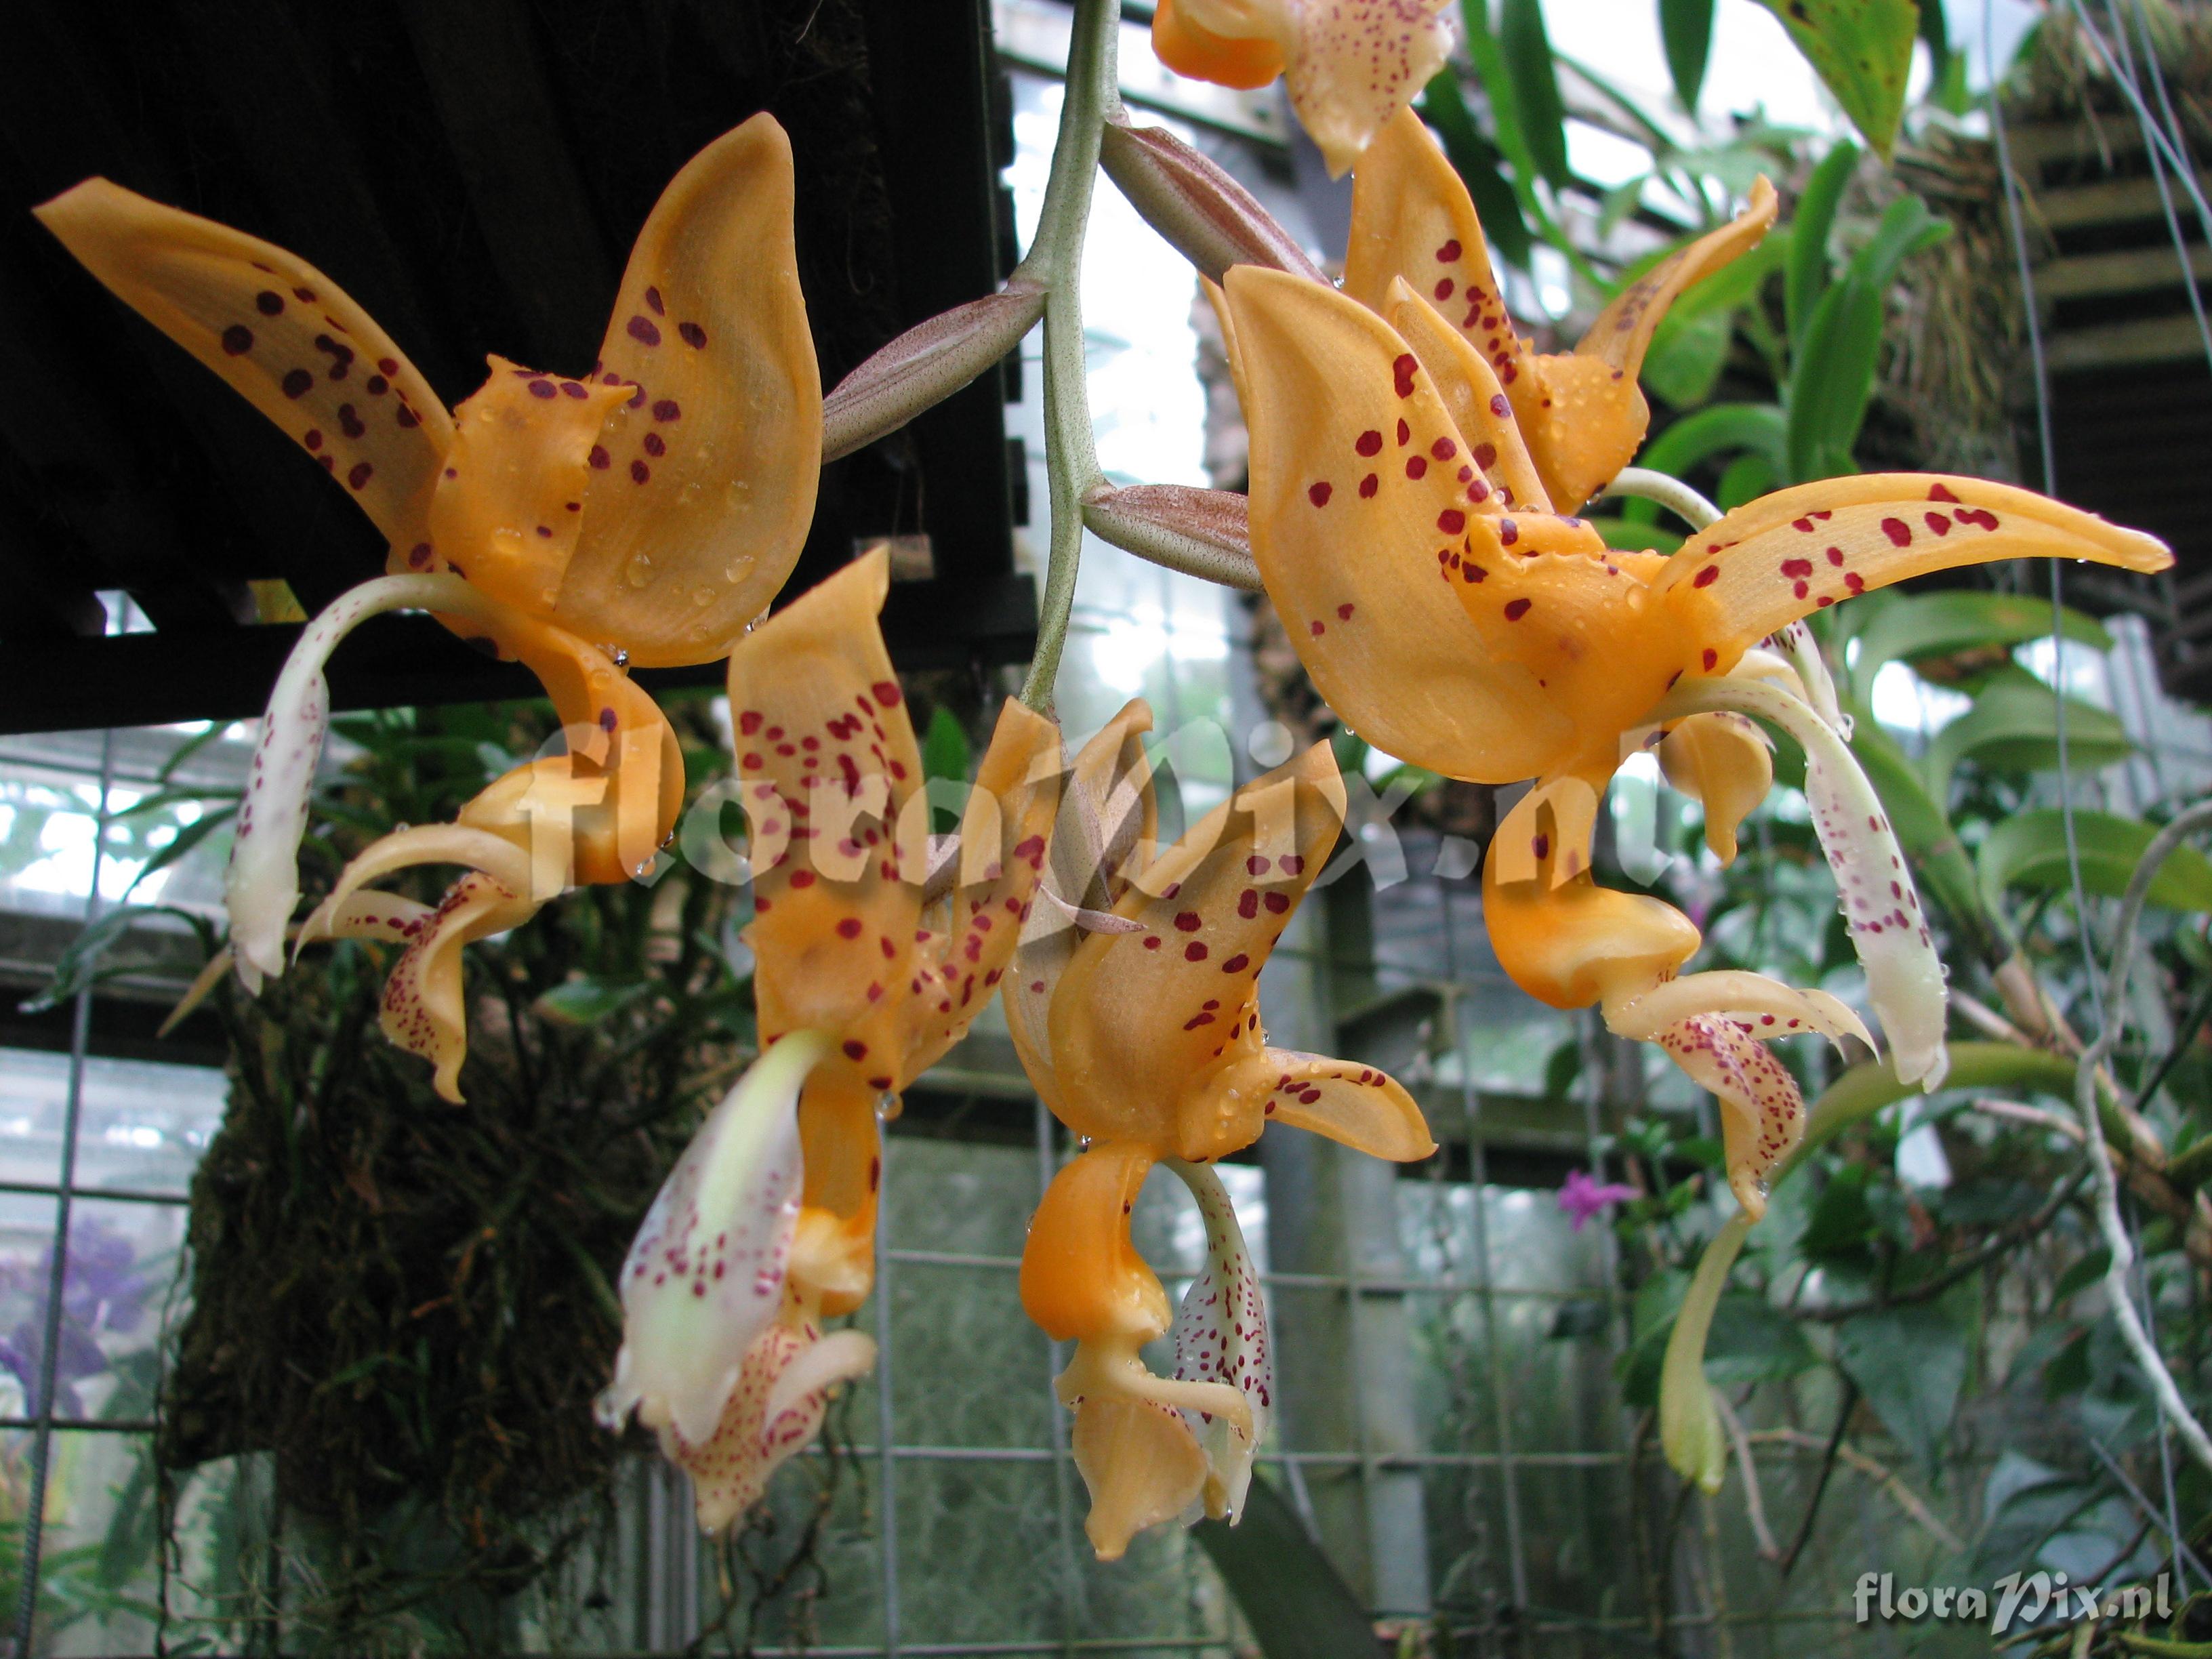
(738, 496)
(621, 658)
(702, 596)
(639, 572)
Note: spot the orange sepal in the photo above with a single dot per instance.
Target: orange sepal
(1145, 1024)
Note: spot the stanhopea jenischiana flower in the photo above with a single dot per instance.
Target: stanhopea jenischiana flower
(1135, 1006)
(874, 948)
(1414, 471)
(644, 512)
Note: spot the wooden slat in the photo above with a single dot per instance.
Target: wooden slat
(2112, 201)
(2130, 271)
(2152, 340)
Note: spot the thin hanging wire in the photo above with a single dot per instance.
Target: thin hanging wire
(2015, 221)
(35, 1516)
(2159, 163)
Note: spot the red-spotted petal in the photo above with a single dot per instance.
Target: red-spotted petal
(1362, 1106)
(1001, 859)
(774, 1412)
(288, 339)
(1762, 1113)
(1145, 1027)
(1358, 525)
(424, 1012)
(1797, 550)
(704, 483)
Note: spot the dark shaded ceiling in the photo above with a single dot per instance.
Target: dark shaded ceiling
(473, 171)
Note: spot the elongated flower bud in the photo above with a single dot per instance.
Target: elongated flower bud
(1202, 532)
(924, 365)
(1210, 219)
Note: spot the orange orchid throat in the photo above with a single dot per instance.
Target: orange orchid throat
(1483, 634)
(645, 512)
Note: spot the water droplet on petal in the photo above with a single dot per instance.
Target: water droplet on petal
(738, 569)
(702, 597)
(639, 571)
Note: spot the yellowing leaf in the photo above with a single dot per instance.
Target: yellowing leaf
(1862, 49)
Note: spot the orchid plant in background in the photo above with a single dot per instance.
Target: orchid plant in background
(646, 513)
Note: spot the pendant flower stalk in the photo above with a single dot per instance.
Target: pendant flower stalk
(644, 512)
(1134, 1008)
(1485, 633)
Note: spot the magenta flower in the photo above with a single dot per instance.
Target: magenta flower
(1583, 1198)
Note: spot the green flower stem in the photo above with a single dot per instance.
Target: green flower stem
(1054, 262)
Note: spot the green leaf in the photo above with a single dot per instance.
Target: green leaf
(2028, 849)
(1744, 479)
(1751, 1341)
(1689, 1423)
(1626, 534)
(1686, 28)
(78, 968)
(1937, 36)
(188, 836)
(1832, 378)
(2085, 1271)
(1867, 1087)
(1913, 626)
(1863, 50)
(1910, 1364)
(1687, 353)
(1807, 276)
(944, 747)
(1841, 1223)
(1703, 433)
(1477, 161)
(1527, 53)
(1299, 1605)
(586, 1000)
(2014, 728)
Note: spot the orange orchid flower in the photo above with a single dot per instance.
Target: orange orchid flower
(1352, 65)
(1135, 1007)
(1412, 473)
(645, 512)
(873, 953)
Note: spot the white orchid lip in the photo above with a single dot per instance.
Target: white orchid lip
(262, 883)
(706, 1274)
(1221, 1336)
(1905, 978)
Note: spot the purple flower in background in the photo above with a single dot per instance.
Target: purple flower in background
(1583, 1198)
(103, 1290)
